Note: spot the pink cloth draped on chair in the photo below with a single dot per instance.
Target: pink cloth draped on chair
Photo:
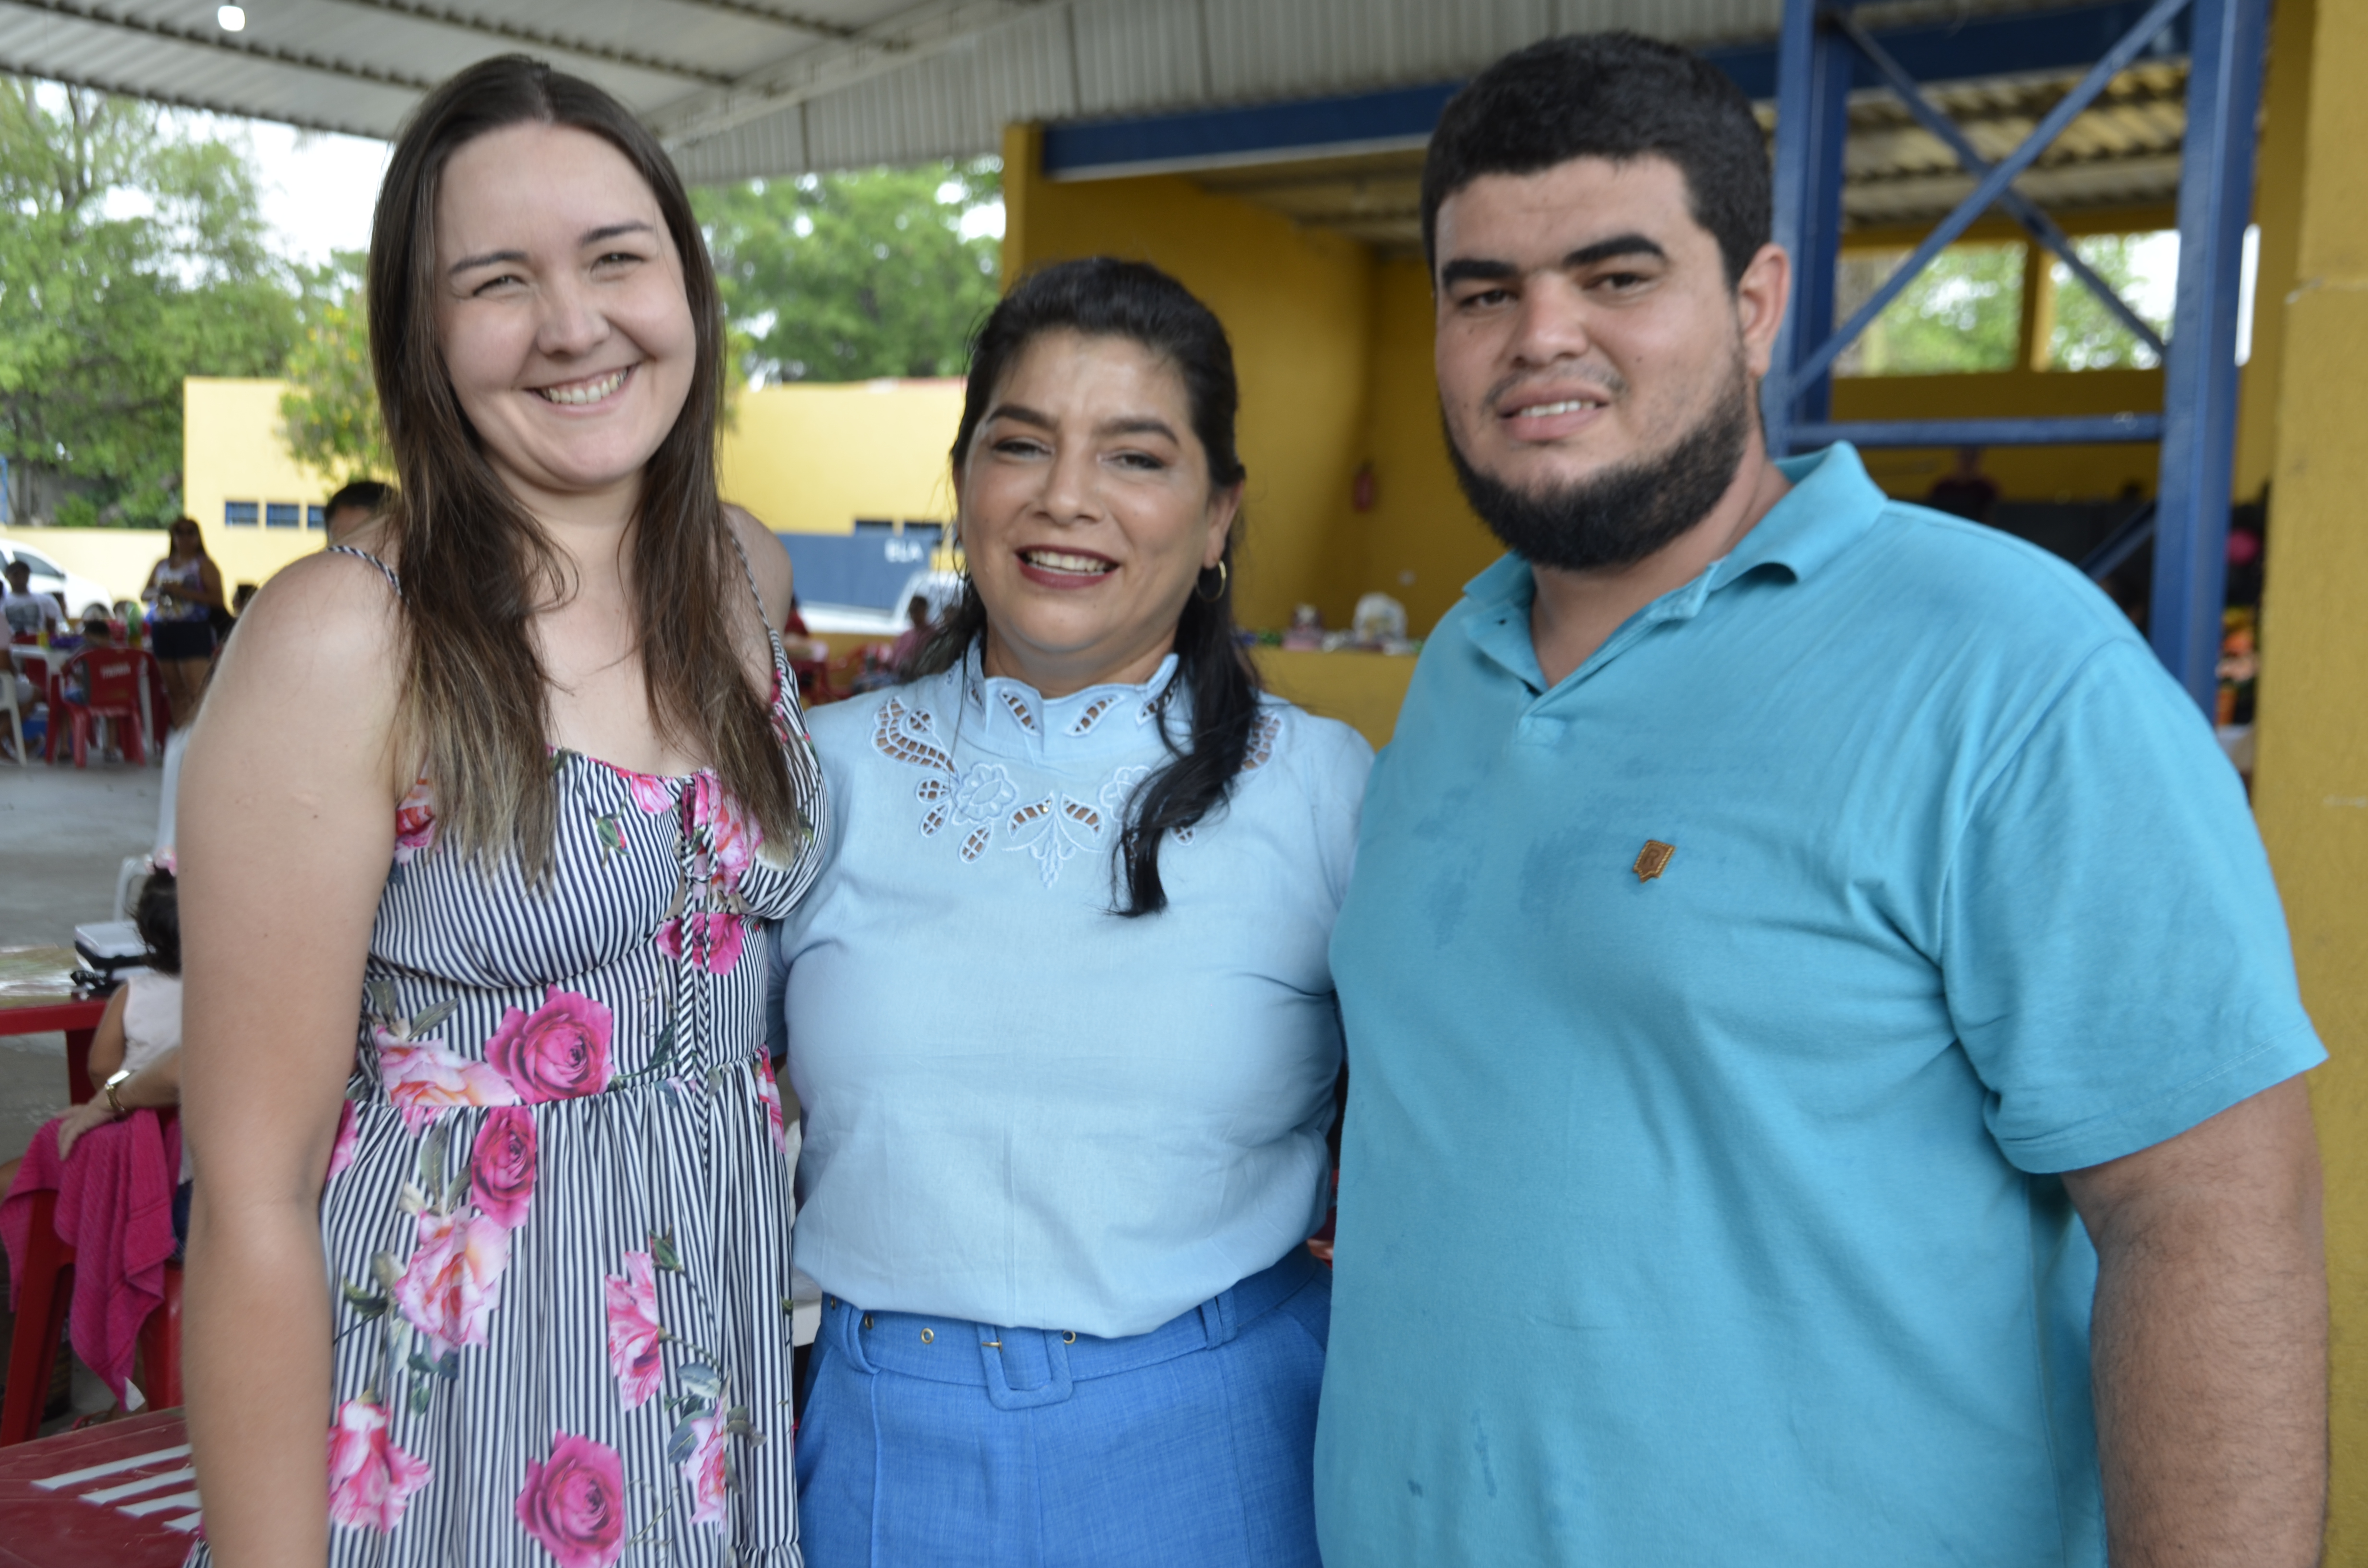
(115, 1209)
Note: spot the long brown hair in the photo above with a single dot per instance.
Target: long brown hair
(477, 566)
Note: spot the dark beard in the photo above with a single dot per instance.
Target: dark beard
(1624, 514)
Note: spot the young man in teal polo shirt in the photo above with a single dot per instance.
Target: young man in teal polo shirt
(1823, 1035)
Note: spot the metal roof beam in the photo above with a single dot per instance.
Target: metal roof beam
(232, 43)
(813, 25)
(909, 36)
(177, 100)
(470, 22)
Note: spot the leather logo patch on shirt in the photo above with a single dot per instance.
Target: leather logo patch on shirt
(1653, 859)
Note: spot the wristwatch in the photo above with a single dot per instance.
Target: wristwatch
(115, 1081)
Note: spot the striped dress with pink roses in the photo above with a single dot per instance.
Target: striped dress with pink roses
(558, 1211)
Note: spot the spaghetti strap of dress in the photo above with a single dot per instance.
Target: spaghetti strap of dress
(772, 633)
(388, 572)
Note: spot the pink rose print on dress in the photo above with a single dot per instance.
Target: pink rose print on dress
(452, 1285)
(634, 1336)
(703, 1470)
(711, 941)
(573, 1503)
(560, 1052)
(370, 1480)
(770, 1091)
(415, 822)
(341, 1152)
(724, 838)
(649, 792)
(501, 1167)
(422, 1078)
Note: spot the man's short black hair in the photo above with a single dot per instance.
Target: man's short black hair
(1614, 96)
(369, 495)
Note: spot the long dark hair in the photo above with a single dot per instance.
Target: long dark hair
(157, 917)
(476, 565)
(1102, 297)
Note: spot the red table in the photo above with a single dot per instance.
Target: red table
(119, 1496)
(37, 998)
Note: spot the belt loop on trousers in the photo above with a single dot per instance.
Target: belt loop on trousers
(1217, 1318)
(840, 1318)
(994, 1343)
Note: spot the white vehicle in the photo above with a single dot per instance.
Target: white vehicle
(943, 590)
(49, 577)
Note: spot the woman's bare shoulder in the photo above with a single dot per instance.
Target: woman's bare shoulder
(767, 558)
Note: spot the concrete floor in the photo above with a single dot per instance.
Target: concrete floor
(64, 832)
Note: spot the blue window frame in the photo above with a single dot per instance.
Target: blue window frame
(281, 514)
(239, 514)
(316, 516)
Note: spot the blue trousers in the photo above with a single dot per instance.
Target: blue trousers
(934, 1443)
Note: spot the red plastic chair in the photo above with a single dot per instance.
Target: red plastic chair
(111, 680)
(42, 1307)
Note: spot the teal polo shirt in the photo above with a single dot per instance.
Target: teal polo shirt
(1713, 1217)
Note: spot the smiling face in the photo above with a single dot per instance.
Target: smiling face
(561, 312)
(1585, 323)
(1087, 512)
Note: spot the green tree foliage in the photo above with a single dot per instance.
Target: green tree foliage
(132, 257)
(328, 416)
(1964, 312)
(845, 277)
(2086, 336)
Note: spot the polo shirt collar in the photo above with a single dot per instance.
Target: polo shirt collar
(1832, 504)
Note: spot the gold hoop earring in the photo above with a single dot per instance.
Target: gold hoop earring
(1224, 580)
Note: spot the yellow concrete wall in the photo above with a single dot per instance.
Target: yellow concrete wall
(812, 459)
(118, 560)
(2023, 473)
(1296, 303)
(2310, 788)
(803, 458)
(1363, 690)
(1420, 543)
(231, 451)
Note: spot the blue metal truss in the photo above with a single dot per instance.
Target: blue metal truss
(1821, 53)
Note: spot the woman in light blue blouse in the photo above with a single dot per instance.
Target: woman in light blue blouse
(1059, 1011)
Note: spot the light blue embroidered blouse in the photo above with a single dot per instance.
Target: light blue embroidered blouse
(1020, 1108)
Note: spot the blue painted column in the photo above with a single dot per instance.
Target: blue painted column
(2199, 440)
(1813, 83)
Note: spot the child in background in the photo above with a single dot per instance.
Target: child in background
(136, 1053)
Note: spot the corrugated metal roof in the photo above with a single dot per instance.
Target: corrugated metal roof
(742, 87)
(769, 87)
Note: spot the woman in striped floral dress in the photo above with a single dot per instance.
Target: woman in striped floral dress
(539, 1166)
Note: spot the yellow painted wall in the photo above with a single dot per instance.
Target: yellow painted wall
(2310, 787)
(118, 560)
(1296, 303)
(812, 459)
(1420, 543)
(231, 451)
(803, 458)
(2023, 473)
(1363, 690)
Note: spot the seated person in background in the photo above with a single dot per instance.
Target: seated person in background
(136, 1053)
(110, 1190)
(1966, 490)
(915, 635)
(801, 645)
(352, 506)
(27, 611)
